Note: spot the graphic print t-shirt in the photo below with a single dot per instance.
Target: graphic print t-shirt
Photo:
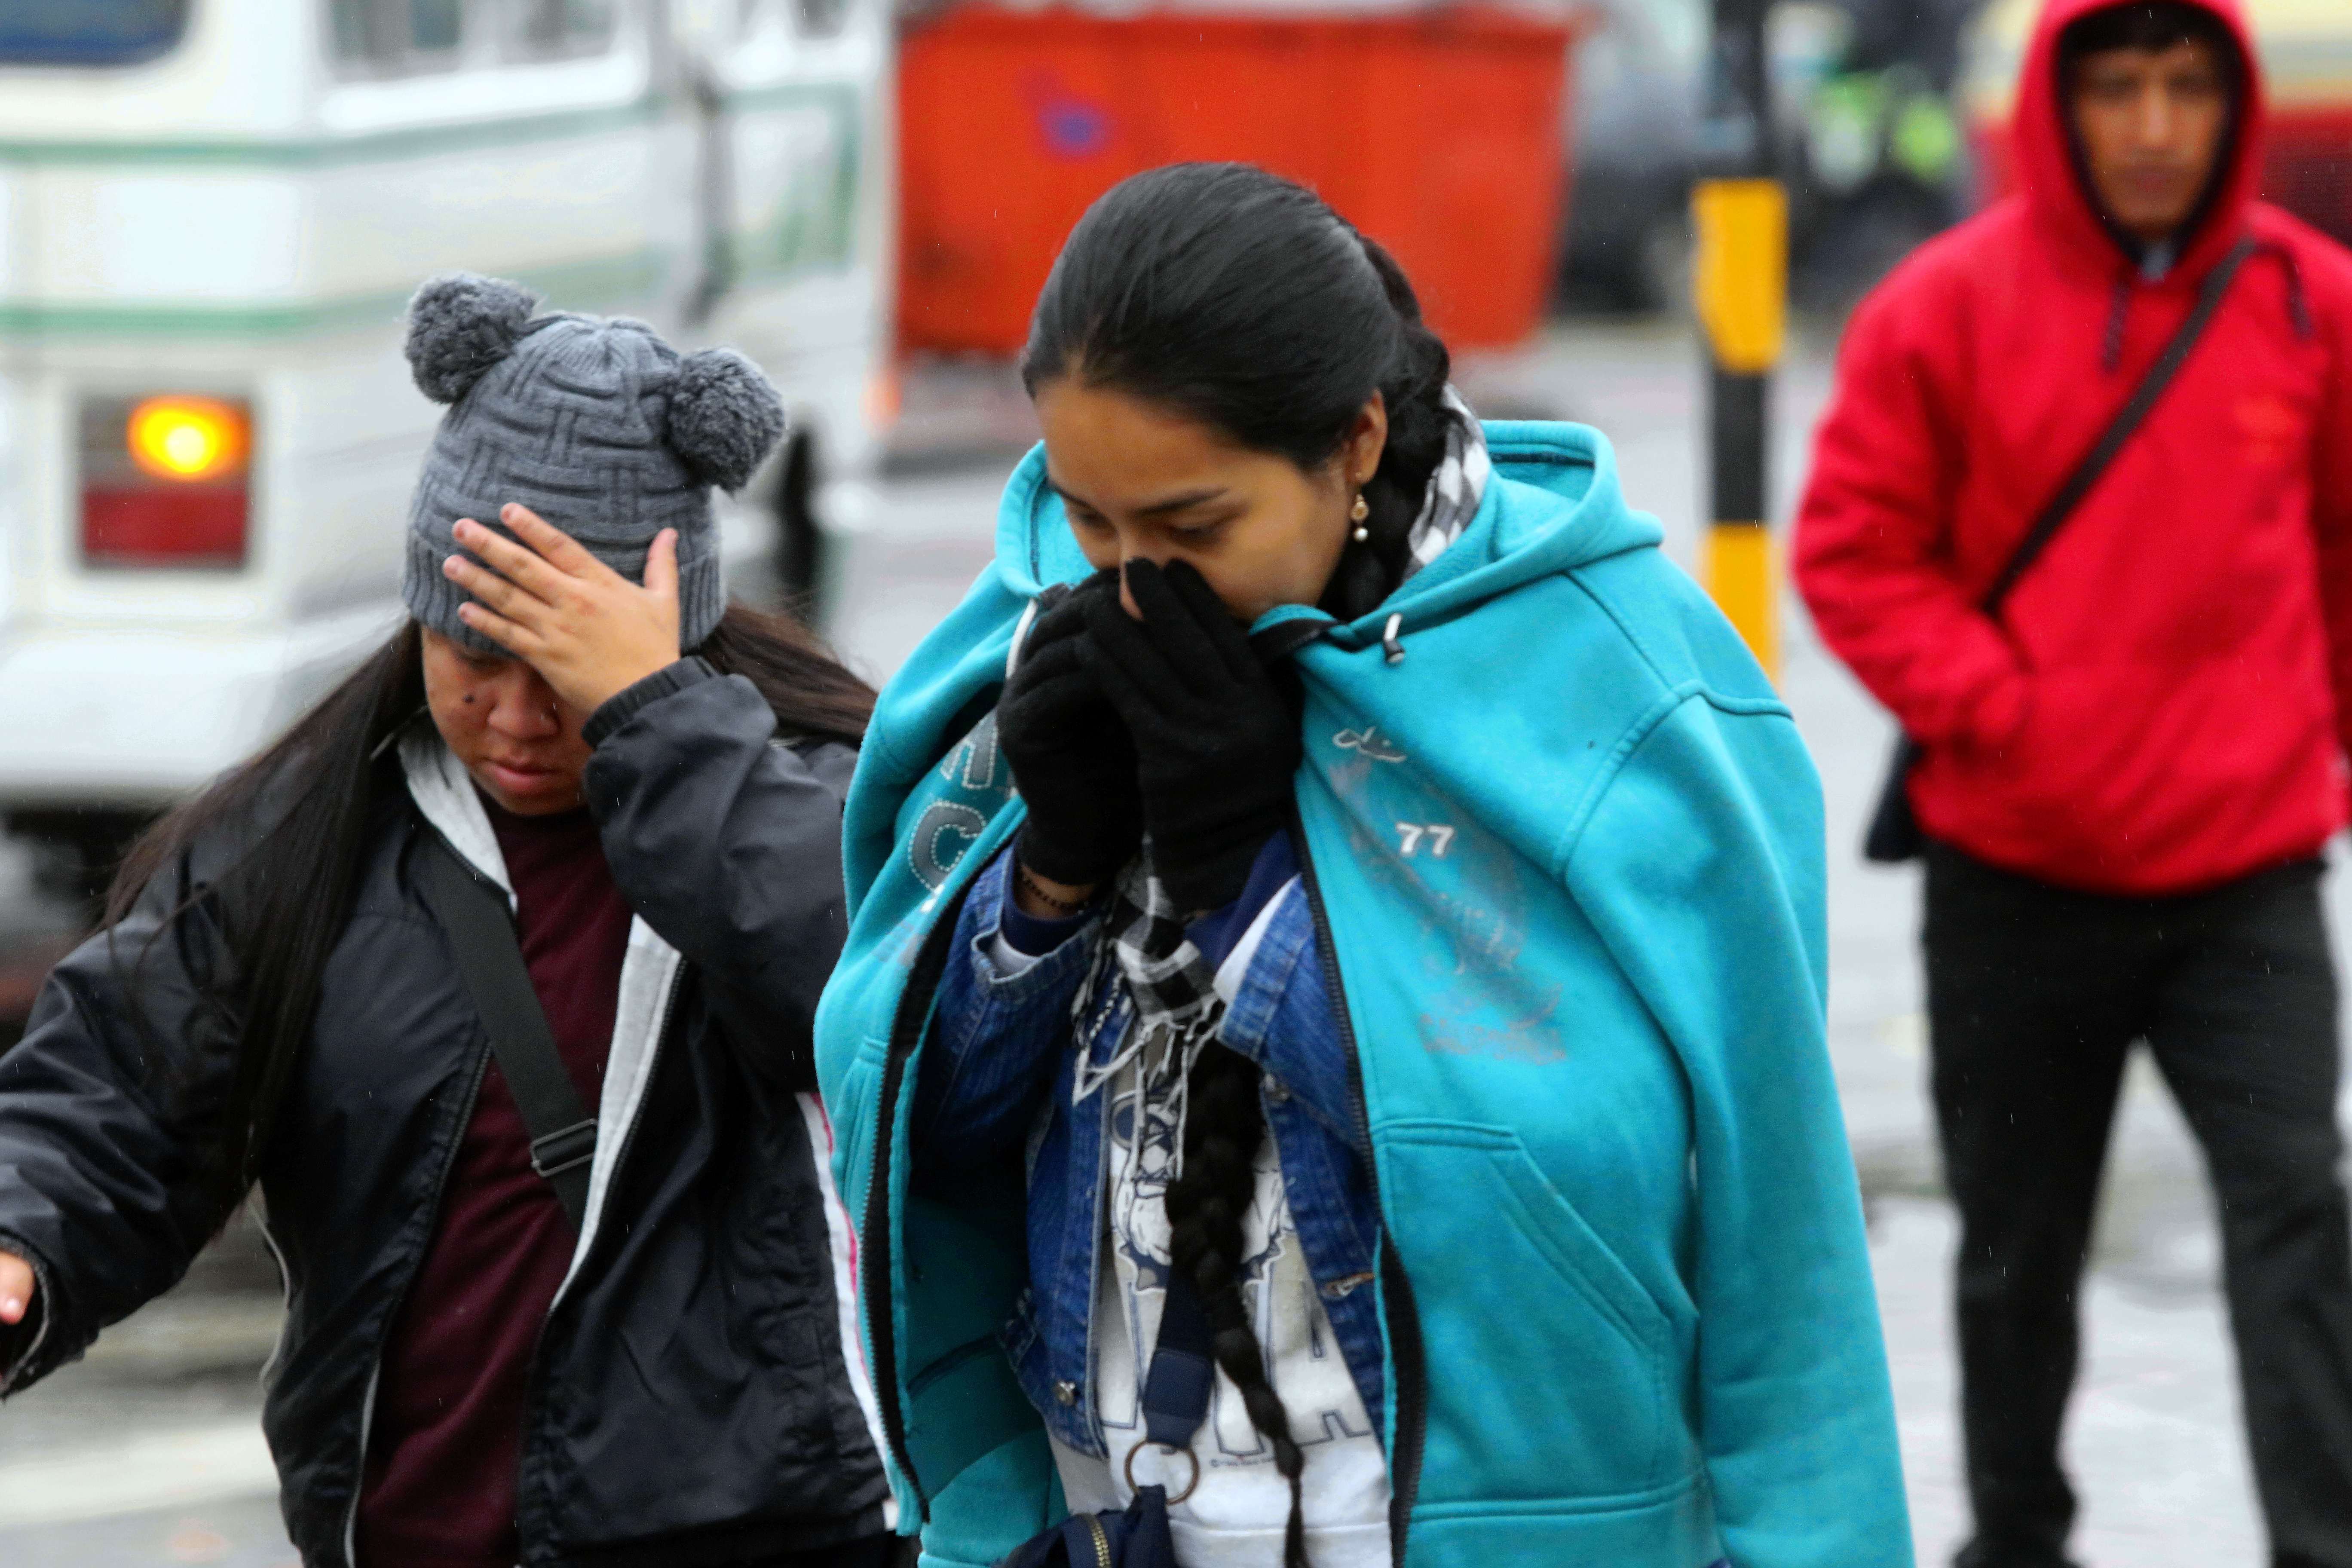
(1236, 1517)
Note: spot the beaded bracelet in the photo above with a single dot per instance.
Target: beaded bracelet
(1029, 880)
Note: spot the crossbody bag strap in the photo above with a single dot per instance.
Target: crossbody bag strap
(2134, 414)
(482, 935)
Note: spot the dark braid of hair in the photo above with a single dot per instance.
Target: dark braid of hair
(1224, 1125)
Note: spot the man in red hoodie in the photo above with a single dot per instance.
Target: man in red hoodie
(2130, 772)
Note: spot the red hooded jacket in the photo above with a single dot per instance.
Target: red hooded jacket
(2163, 704)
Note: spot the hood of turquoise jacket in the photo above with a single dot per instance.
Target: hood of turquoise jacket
(1565, 848)
(1558, 506)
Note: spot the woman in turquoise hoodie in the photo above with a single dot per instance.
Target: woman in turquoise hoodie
(1332, 1020)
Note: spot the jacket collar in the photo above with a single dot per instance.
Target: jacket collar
(445, 797)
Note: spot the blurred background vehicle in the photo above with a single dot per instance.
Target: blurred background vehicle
(1633, 126)
(1880, 163)
(1860, 120)
(1891, 117)
(216, 210)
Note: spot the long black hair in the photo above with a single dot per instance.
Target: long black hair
(1242, 300)
(298, 819)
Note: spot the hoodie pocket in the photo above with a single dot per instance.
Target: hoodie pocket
(1549, 1367)
(2114, 759)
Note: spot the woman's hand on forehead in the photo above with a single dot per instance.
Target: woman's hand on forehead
(590, 632)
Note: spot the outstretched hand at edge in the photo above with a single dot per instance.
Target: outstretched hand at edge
(16, 1283)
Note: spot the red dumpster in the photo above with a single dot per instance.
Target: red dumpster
(1439, 134)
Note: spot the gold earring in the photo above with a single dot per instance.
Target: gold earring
(1359, 513)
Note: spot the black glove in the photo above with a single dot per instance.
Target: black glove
(1071, 757)
(1216, 741)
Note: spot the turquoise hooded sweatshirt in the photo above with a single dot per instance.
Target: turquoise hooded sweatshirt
(1565, 848)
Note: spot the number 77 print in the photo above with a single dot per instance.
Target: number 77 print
(1438, 835)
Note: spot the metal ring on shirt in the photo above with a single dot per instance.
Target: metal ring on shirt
(1189, 1486)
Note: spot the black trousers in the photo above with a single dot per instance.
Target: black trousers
(2036, 997)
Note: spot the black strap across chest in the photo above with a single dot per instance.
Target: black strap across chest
(2094, 464)
(474, 914)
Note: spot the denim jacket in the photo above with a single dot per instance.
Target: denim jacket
(1000, 1073)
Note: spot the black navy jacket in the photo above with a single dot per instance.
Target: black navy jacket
(698, 1396)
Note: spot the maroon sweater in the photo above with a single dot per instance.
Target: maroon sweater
(439, 1492)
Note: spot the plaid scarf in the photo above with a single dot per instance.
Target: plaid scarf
(1455, 489)
(1142, 946)
(1142, 942)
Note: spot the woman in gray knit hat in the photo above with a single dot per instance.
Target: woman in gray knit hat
(497, 974)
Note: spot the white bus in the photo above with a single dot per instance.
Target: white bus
(211, 215)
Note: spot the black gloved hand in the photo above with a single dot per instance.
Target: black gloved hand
(1215, 740)
(1071, 757)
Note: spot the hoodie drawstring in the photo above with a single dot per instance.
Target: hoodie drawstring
(2298, 305)
(2111, 355)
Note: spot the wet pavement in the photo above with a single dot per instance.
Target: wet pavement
(147, 1453)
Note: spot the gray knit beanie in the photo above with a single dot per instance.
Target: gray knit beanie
(596, 424)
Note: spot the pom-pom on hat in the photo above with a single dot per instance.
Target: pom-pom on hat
(596, 424)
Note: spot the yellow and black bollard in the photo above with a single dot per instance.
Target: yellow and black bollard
(1741, 278)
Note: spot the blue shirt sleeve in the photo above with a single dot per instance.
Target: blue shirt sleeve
(1033, 936)
(1219, 931)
